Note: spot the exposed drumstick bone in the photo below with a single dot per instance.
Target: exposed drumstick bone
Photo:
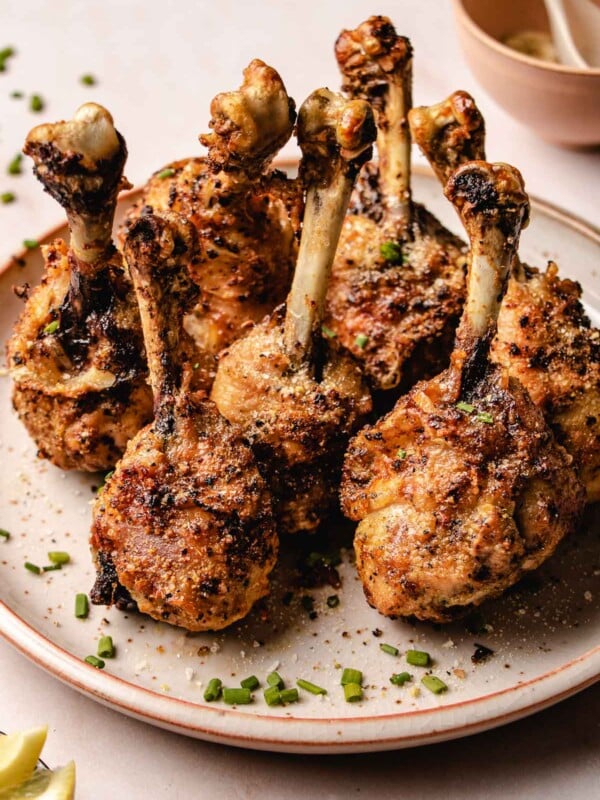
(377, 66)
(335, 136)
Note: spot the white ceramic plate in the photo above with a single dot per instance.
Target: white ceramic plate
(544, 636)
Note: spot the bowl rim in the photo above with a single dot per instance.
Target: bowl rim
(546, 66)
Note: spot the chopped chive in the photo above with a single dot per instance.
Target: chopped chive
(30, 244)
(196, 365)
(434, 684)
(418, 658)
(389, 648)
(95, 662)
(17, 95)
(275, 679)
(213, 690)
(8, 197)
(251, 683)
(106, 648)
(88, 80)
(401, 454)
(82, 606)
(5, 54)
(4, 534)
(240, 697)
(51, 327)
(272, 696)
(36, 103)
(108, 475)
(400, 678)
(166, 173)
(14, 167)
(310, 687)
(328, 332)
(58, 557)
(52, 567)
(289, 695)
(361, 341)
(333, 600)
(350, 675)
(485, 416)
(466, 407)
(32, 568)
(353, 692)
(392, 252)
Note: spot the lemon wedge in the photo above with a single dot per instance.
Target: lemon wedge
(45, 785)
(19, 753)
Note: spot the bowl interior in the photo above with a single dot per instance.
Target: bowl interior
(500, 20)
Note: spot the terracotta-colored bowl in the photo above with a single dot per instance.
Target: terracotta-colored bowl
(561, 104)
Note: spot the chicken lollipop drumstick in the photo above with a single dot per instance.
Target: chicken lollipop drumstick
(76, 355)
(544, 337)
(462, 487)
(184, 526)
(246, 214)
(296, 396)
(398, 278)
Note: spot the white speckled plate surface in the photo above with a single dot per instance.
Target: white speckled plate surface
(545, 635)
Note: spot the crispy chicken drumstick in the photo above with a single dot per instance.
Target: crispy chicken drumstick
(184, 527)
(76, 355)
(544, 335)
(462, 488)
(296, 395)
(398, 279)
(246, 214)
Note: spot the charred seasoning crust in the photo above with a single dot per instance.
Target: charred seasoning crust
(61, 174)
(97, 308)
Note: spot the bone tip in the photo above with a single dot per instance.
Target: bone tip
(257, 117)
(155, 241)
(458, 109)
(331, 124)
(375, 40)
(479, 187)
(91, 134)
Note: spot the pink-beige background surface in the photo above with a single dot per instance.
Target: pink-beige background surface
(158, 65)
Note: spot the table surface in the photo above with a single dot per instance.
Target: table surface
(158, 65)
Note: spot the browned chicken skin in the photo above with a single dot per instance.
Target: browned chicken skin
(246, 214)
(462, 487)
(184, 527)
(76, 355)
(398, 283)
(298, 397)
(544, 335)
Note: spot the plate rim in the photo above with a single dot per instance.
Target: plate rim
(177, 714)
